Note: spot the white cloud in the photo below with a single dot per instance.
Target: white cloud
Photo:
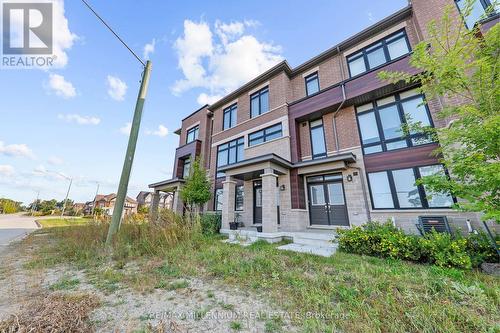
(116, 88)
(126, 129)
(6, 170)
(207, 99)
(60, 86)
(222, 60)
(370, 17)
(161, 132)
(149, 49)
(80, 120)
(54, 160)
(16, 150)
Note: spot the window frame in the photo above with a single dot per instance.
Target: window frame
(195, 130)
(187, 159)
(264, 134)
(309, 78)
(258, 94)
(228, 147)
(398, 102)
(484, 3)
(232, 112)
(236, 198)
(322, 155)
(384, 41)
(215, 199)
(421, 191)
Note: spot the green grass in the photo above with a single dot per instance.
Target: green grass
(235, 325)
(65, 283)
(58, 222)
(345, 292)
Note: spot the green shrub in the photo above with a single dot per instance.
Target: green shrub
(210, 224)
(444, 251)
(480, 249)
(380, 240)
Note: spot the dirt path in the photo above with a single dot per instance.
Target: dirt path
(184, 304)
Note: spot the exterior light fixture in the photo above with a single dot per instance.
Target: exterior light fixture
(349, 178)
(282, 187)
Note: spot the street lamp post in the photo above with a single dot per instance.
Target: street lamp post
(66, 199)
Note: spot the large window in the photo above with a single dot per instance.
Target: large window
(229, 153)
(396, 189)
(318, 144)
(377, 54)
(240, 198)
(381, 123)
(312, 84)
(230, 115)
(218, 199)
(192, 134)
(265, 135)
(259, 102)
(477, 12)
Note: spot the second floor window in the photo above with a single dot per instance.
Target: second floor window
(186, 168)
(230, 115)
(229, 153)
(381, 122)
(312, 84)
(477, 12)
(318, 144)
(267, 134)
(259, 102)
(192, 134)
(377, 54)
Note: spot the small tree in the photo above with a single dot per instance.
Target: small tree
(196, 191)
(459, 64)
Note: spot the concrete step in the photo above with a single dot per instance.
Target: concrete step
(314, 239)
(324, 251)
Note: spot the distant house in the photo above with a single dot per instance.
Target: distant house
(145, 199)
(107, 204)
(79, 207)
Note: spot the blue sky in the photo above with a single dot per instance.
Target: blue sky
(69, 120)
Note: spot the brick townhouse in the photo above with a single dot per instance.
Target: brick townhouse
(320, 146)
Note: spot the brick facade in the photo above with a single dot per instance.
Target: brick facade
(335, 104)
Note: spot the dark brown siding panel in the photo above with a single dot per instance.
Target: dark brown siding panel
(297, 190)
(402, 158)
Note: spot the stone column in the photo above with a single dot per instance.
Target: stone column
(269, 202)
(177, 205)
(153, 209)
(228, 197)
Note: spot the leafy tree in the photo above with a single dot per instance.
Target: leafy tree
(462, 65)
(47, 206)
(196, 190)
(8, 206)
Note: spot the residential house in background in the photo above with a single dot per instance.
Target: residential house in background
(320, 146)
(145, 199)
(107, 204)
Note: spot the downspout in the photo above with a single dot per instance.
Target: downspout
(337, 147)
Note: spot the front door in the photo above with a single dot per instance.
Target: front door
(327, 200)
(257, 202)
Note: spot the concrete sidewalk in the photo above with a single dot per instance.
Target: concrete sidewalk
(14, 227)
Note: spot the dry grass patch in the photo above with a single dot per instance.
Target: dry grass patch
(53, 313)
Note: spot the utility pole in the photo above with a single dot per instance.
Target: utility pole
(95, 199)
(66, 199)
(36, 202)
(129, 157)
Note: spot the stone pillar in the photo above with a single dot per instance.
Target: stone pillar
(269, 201)
(228, 197)
(153, 209)
(177, 205)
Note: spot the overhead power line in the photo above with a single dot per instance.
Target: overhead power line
(113, 32)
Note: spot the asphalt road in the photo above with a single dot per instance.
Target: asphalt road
(14, 227)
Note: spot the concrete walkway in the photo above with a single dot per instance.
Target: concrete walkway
(15, 227)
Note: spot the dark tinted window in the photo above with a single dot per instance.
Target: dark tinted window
(259, 102)
(312, 84)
